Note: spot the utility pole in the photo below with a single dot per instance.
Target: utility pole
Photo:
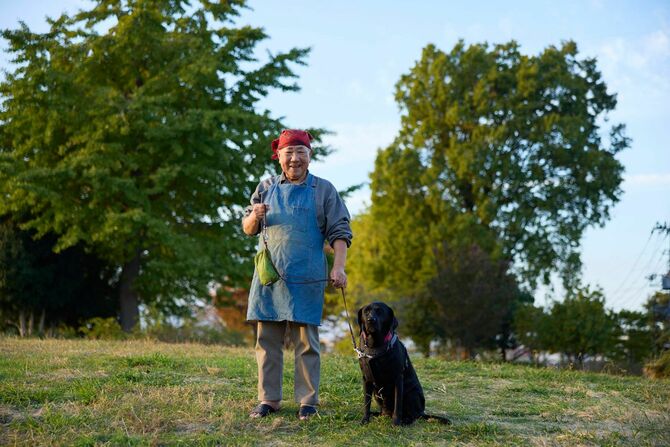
(665, 228)
(660, 306)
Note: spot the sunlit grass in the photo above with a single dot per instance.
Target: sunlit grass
(82, 392)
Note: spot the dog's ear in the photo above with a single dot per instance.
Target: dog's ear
(360, 320)
(394, 324)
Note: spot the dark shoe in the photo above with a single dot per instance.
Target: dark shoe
(306, 412)
(261, 411)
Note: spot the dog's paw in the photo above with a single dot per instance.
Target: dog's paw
(365, 420)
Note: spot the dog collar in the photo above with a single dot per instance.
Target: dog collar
(367, 352)
(387, 339)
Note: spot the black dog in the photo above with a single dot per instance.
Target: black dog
(388, 374)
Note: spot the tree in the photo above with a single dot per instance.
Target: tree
(658, 317)
(635, 341)
(531, 328)
(472, 294)
(132, 129)
(580, 326)
(498, 148)
(507, 338)
(40, 290)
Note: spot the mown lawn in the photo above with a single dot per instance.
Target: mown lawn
(80, 392)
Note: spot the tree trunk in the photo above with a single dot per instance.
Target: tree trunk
(31, 324)
(425, 350)
(503, 357)
(130, 313)
(40, 327)
(22, 323)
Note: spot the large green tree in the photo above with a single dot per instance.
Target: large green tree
(132, 129)
(501, 148)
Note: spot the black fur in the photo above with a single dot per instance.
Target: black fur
(388, 374)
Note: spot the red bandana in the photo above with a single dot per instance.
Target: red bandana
(291, 137)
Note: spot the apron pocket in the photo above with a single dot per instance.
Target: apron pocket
(299, 217)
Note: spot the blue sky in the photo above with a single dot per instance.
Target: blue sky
(360, 49)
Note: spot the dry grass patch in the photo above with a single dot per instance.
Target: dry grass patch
(78, 392)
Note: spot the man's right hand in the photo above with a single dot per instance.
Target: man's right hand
(259, 211)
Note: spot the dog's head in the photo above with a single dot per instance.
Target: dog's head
(376, 321)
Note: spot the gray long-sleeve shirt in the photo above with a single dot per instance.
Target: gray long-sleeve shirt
(331, 213)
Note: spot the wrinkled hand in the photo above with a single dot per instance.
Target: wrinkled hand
(338, 277)
(259, 210)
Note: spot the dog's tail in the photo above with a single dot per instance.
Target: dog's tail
(440, 419)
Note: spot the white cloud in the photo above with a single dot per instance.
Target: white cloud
(356, 89)
(357, 144)
(648, 180)
(506, 27)
(356, 147)
(358, 201)
(638, 62)
(658, 43)
(597, 4)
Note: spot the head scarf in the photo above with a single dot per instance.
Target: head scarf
(291, 137)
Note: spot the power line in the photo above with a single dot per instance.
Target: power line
(633, 268)
(625, 296)
(660, 265)
(633, 294)
(642, 292)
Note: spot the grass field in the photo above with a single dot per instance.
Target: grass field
(82, 392)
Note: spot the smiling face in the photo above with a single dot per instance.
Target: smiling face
(294, 161)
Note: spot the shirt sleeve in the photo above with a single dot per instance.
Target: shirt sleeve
(337, 221)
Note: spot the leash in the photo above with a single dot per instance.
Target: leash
(358, 351)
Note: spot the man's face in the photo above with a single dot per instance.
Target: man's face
(294, 161)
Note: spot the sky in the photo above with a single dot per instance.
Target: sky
(359, 50)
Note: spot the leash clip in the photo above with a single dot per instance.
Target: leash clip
(362, 354)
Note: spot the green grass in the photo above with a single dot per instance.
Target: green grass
(84, 393)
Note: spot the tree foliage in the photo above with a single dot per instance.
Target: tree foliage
(472, 294)
(531, 326)
(498, 148)
(40, 289)
(132, 129)
(658, 318)
(635, 342)
(580, 326)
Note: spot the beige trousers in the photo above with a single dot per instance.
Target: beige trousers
(270, 359)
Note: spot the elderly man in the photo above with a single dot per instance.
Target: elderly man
(299, 211)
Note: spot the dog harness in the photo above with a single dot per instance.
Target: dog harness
(368, 357)
(371, 353)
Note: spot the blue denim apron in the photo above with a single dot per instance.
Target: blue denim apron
(296, 247)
